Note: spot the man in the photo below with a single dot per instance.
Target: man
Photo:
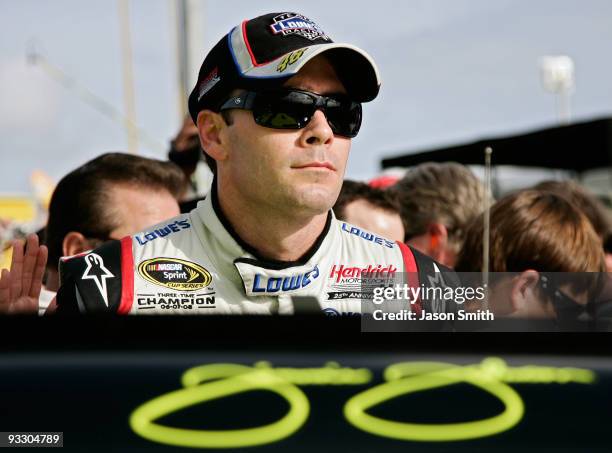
(590, 206)
(437, 202)
(107, 198)
(186, 152)
(545, 256)
(373, 209)
(276, 105)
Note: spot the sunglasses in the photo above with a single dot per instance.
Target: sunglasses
(293, 109)
(566, 308)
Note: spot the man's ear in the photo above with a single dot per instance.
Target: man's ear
(210, 125)
(438, 241)
(75, 243)
(524, 295)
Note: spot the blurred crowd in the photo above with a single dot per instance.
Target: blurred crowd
(438, 209)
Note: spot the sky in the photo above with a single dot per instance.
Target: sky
(452, 71)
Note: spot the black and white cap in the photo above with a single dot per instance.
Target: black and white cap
(264, 52)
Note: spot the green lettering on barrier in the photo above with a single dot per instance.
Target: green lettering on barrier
(355, 408)
(231, 379)
(214, 381)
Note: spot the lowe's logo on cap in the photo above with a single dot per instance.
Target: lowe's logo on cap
(296, 24)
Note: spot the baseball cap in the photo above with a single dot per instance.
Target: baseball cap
(262, 53)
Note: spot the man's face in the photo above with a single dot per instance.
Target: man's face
(134, 208)
(521, 297)
(363, 214)
(291, 171)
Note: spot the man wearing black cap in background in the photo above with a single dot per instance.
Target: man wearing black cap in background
(276, 104)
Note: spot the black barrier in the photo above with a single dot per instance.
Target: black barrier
(299, 383)
(323, 401)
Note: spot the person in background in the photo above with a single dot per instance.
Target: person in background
(437, 202)
(375, 210)
(107, 198)
(186, 152)
(547, 252)
(594, 209)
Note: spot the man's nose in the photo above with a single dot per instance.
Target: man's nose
(318, 131)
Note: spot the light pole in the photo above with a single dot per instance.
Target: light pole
(557, 74)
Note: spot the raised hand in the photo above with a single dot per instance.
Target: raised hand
(20, 286)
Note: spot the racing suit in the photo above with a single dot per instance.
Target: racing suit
(196, 264)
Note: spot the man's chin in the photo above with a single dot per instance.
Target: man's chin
(316, 200)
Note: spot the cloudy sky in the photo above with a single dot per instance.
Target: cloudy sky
(452, 71)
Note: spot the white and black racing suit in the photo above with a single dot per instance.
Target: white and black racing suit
(196, 264)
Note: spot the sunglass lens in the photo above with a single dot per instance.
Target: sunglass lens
(344, 117)
(278, 120)
(283, 110)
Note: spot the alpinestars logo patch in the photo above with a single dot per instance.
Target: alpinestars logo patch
(97, 272)
(296, 24)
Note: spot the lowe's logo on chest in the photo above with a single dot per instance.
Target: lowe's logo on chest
(163, 231)
(264, 284)
(367, 235)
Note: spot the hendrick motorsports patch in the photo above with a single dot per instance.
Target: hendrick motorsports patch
(174, 273)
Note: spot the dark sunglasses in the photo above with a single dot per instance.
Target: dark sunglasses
(566, 308)
(293, 109)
